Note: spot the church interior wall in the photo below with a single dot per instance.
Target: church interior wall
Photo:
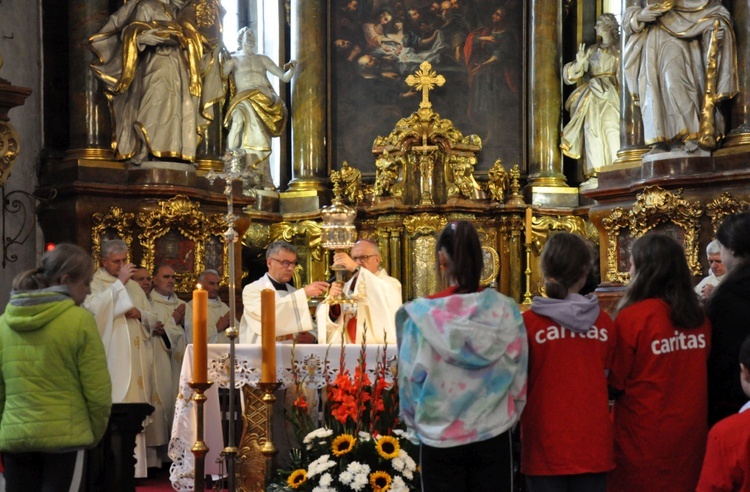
(20, 48)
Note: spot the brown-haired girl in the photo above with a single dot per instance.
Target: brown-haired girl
(566, 430)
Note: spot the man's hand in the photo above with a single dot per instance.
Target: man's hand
(336, 289)
(306, 337)
(223, 323)
(133, 313)
(344, 260)
(158, 329)
(125, 273)
(316, 288)
(706, 291)
(649, 14)
(179, 314)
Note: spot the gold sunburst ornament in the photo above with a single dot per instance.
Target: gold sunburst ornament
(425, 79)
(380, 481)
(343, 444)
(297, 478)
(387, 447)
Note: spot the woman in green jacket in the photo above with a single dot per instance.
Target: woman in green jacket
(55, 389)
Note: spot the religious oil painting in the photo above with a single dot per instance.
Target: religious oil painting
(175, 250)
(477, 45)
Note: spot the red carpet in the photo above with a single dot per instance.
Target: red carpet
(157, 481)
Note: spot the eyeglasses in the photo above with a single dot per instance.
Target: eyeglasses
(285, 263)
(363, 258)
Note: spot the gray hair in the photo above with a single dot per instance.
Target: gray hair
(114, 246)
(208, 271)
(277, 246)
(372, 243)
(713, 248)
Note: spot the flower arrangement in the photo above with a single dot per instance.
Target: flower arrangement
(359, 446)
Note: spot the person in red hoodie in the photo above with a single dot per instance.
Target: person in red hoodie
(659, 369)
(566, 430)
(726, 466)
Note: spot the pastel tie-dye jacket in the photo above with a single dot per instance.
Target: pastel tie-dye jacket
(462, 367)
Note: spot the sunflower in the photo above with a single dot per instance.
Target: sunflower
(380, 481)
(343, 444)
(387, 447)
(297, 478)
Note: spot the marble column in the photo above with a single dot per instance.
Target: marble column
(740, 116)
(90, 127)
(632, 146)
(309, 95)
(545, 93)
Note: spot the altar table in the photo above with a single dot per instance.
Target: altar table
(312, 362)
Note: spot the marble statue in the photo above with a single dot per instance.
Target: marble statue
(149, 64)
(669, 62)
(595, 105)
(255, 113)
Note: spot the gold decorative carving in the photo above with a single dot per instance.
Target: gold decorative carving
(577, 225)
(179, 214)
(257, 236)
(424, 224)
(654, 206)
(722, 206)
(498, 183)
(349, 181)
(491, 265)
(617, 220)
(515, 199)
(9, 149)
(425, 159)
(252, 463)
(114, 220)
(306, 235)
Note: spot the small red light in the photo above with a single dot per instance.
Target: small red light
(49, 246)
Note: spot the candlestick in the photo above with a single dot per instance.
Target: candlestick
(268, 335)
(268, 449)
(199, 449)
(200, 342)
(528, 226)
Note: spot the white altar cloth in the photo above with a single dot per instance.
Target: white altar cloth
(310, 362)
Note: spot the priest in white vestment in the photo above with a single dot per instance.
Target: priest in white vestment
(292, 313)
(218, 312)
(373, 318)
(168, 351)
(123, 317)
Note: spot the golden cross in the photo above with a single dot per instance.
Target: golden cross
(425, 79)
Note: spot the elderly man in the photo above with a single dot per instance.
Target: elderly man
(169, 310)
(218, 311)
(125, 324)
(717, 270)
(372, 318)
(142, 277)
(292, 313)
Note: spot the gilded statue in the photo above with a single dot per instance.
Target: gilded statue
(351, 181)
(255, 113)
(386, 175)
(498, 182)
(595, 105)
(149, 63)
(680, 60)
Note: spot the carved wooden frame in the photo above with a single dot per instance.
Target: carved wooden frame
(114, 219)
